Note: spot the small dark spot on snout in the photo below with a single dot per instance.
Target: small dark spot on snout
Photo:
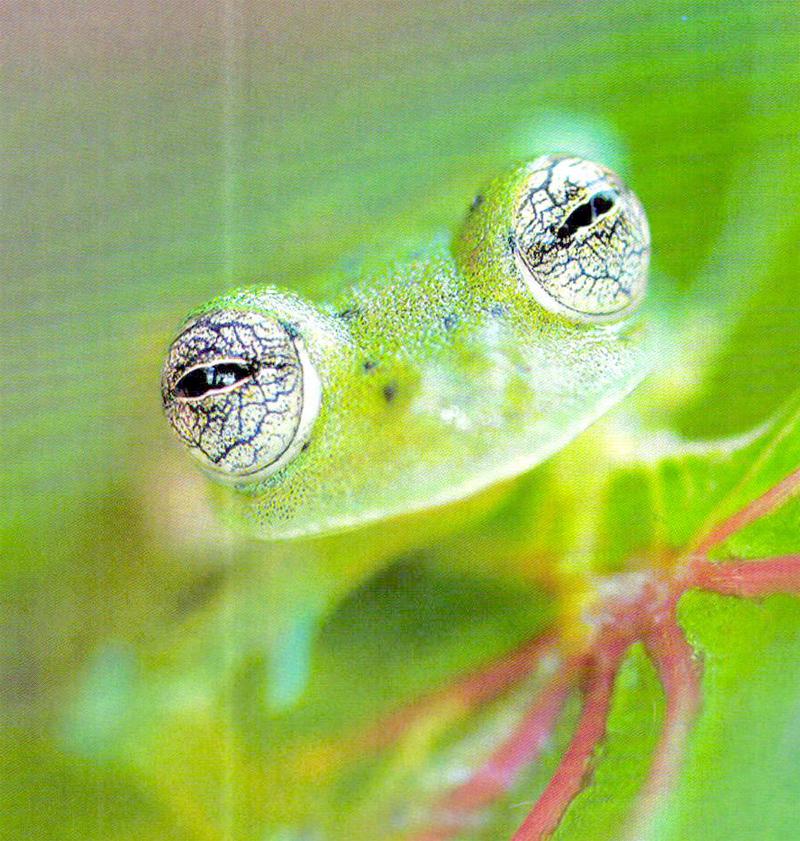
(477, 202)
(390, 392)
(369, 364)
(349, 314)
(450, 321)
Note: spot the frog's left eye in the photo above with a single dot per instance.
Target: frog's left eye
(580, 239)
(242, 394)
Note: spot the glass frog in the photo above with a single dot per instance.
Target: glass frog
(347, 433)
(422, 411)
(350, 432)
(407, 411)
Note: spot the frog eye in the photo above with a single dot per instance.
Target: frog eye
(241, 392)
(581, 239)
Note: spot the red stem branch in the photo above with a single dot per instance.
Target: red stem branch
(749, 579)
(680, 677)
(755, 510)
(678, 672)
(470, 691)
(462, 806)
(576, 764)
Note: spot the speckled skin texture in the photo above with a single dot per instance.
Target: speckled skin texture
(441, 376)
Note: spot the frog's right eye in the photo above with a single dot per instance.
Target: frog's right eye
(580, 239)
(241, 392)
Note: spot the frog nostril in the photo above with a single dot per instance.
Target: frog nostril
(587, 213)
(210, 379)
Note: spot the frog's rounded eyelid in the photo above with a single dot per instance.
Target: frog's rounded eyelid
(551, 304)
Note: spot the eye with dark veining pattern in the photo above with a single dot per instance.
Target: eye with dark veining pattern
(580, 239)
(241, 392)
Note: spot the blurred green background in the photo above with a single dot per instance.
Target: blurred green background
(153, 154)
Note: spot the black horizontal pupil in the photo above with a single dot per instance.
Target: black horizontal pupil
(583, 215)
(200, 381)
(602, 203)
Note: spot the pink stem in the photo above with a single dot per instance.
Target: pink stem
(753, 511)
(468, 692)
(674, 659)
(749, 578)
(576, 764)
(461, 806)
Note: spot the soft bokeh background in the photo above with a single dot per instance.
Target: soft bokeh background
(153, 154)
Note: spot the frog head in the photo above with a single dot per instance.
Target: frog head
(441, 376)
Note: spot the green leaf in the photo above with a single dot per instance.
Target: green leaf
(146, 172)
